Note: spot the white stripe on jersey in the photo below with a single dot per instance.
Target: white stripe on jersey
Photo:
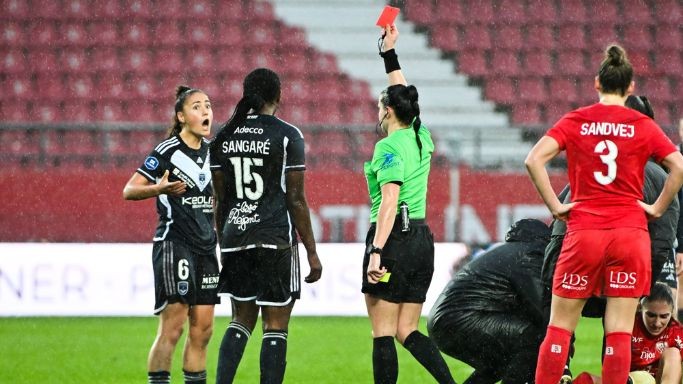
(293, 126)
(164, 200)
(295, 270)
(163, 147)
(150, 177)
(166, 142)
(283, 184)
(295, 166)
(250, 246)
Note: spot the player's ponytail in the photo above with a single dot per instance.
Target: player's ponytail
(416, 122)
(404, 101)
(181, 94)
(616, 73)
(261, 87)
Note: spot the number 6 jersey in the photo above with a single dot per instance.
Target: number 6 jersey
(255, 158)
(607, 147)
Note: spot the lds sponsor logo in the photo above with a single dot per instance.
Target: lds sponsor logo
(574, 281)
(622, 279)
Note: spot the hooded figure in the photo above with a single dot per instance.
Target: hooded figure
(490, 314)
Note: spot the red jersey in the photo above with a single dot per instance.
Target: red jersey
(607, 147)
(646, 350)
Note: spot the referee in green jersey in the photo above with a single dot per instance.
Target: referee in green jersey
(399, 257)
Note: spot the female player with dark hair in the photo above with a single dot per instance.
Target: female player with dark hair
(606, 250)
(257, 162)
(399, 258)
(177, 173)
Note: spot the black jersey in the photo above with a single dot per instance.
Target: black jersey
(187, 218)
(255, 158)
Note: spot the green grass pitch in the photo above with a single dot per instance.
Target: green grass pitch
(114, 350)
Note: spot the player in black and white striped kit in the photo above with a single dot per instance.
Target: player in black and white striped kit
(257, 162)
(177, 173)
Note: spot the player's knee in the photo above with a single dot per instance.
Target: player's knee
(671, 356)
(171, 333)
(403, 332)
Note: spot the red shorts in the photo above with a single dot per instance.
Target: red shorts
(604, 262)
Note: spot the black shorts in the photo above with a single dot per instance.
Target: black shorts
(409, 257)
(668, 274)
(183, 276)
(269, 276)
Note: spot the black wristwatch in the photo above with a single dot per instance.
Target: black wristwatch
(370, 249)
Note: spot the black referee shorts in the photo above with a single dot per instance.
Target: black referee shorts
(271, 277)
(409, 257)
(183, 276)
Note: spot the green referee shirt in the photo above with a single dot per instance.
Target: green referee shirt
(397, 159)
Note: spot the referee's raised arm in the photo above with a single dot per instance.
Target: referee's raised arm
(389, 55)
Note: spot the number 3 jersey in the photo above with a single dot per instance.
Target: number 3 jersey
(187, 218)
(607, 147)
(254, 159)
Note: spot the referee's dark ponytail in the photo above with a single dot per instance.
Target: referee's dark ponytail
(404, 101)
(261, 86)
(182, 92)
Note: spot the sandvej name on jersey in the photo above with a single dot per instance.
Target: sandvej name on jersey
(607, 129)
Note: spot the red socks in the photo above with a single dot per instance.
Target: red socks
(617, 361)
(583, 378)
(552, 355)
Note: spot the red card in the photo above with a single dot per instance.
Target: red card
(388, 16)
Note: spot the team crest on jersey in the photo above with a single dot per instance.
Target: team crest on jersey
(151, 163)
(202, 177)
(183, 288)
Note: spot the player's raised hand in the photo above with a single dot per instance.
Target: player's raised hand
(173, 188)
(316, 268)
(390, 36)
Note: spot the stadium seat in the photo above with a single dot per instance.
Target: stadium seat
(636, 13)
(15, 10)
(330, 143)
(654, 87)
(291, 38)
(640, 60)
(668, 12)
(526, 114)
(505, 63)
(259, 11)
(261, 60)
(294, 114)
(80, 85)
(169, 61)
(103, 33)
(230, 11)
(571, 63)
(231, 35)
(480, 11)
(322, 63)
(139, 111)
(571, 36)
(477, 36)
(510, 12)
(46, 9)
(263, 35)
(599, 36)
(201, 59)
(563, 89)
(42, 34)
(201, 10)
(572, 11)
(541, 12)
(15, 111)
(326, 114)
(638, 37)
(77, 9)
(537, 63)
(292, 61)
(603, 13)
(108, 111)
(13, 35)
(419, 12)
(539, 36)
(360, 111)
(104, 59)
(143, 88)
(668, 36)
(20, 142)
(197, 34)
(553, 111)
(472, 63)
(135, 34)
(509, 37)
(136, 60)
(51, 87)
(110, 86)
(363, 143)
(449, 12)
(664, 117)
(74, 110)
(446, 38)
(501, 90)
(105, 10)
(167, 35)
(45, 111)
(531, 89)
(74, 60)
(668, 63)
(74, 34)
(585, 88)
(137, 9)
(18, 87)
(13, 62)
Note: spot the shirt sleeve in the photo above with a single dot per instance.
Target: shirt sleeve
(660, 145)
(388, 164)
(296, 155)
(559, 132)
(151, 168)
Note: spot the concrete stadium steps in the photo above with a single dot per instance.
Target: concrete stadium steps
(448, 104)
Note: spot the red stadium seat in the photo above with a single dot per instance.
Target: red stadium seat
(259, 11)
(572, 36)
(563, 89)
(105, 10)
(360, 111)
(291, 38)
(638, 36)
(572, 11)
(539, 36)
(541, 12)
(480, 11)
(139, 110)
(295, 114)
(668, 36)
(167, 35)
(137, 9)
(143, 89)
(201, 10)
(472, 63)
(663, 115)
(19, 87)
(419, 12)
(42, 34)
(77, 9)
(668, 11)
(79, 111)
(446, 38)
(74, 35)
(636, 12)
(19, 142)
(326, 114)
(449, 12)
(51, 87)
(477, 36)
(505, 62)
(45, 111)
(603, 13)
(108, 111)
(334, 143)
(170, 61)
(16, 10)
(509, 37)
(172, 10)
(15, 111)
(135, 34)
(13, 62)
(501, 90)
(329, 89)
(80, 86)
(292, 61)
(531, 89)
(526, 114)
(230, 10)
(13, 35)
(640, 62)
(555, 110)
(74, 60)
(263, 35)
(104, 33)
(111, 86)
(668, 63)
(571, 63)
(298, 90)
(262, 60)
(510, 11)
(43, 61)
(200, 60)
(104, 59)
(655, 87)
(586, 92)
(198, 33)
(322, 63)
(231, 35)
(46, 9)
(537, 63)
(136, 60)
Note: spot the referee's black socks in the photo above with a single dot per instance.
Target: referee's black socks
(426, 353)
(273, 356)
(384, 360)
(231, 351)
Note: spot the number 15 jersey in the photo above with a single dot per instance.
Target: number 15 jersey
(607, 147)
(255, 158)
